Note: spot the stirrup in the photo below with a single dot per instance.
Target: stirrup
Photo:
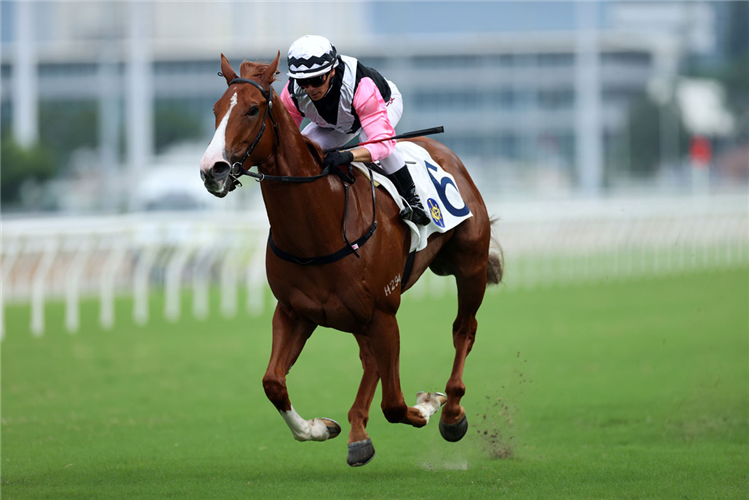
(415, 214)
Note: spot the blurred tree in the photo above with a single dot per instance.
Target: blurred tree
(735, 79)
(645, 135)
(20, 165)
(67, 126)
(733, 70)
(174, 125)
(737, 38)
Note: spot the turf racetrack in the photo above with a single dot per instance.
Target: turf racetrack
(621, 390)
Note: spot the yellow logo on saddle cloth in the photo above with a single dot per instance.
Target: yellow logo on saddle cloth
(435, 212)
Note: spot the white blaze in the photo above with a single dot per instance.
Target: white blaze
(217, 148)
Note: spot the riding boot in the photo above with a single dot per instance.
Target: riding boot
(414, 210)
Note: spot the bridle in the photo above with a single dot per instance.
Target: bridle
(237, 170)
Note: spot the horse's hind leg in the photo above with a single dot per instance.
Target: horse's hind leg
(360, 448)
(385, 341)
(453, 422)
(290, 333)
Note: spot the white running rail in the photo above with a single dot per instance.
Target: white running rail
(545, 244)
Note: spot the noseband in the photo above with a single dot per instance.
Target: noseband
(237, 169)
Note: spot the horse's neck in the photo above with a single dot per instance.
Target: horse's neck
(300, 215)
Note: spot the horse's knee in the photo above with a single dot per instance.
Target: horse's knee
(395, 413)
(275, 390)
(465, 325)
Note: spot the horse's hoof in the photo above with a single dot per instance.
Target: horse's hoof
(454, 432)
(333, 428)
(441, 397)
(360, 453)
(425, 397)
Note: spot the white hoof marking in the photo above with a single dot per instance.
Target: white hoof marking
(428, 403)
(305, 430)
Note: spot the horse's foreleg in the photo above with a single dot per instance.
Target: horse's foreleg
(290, 333)
(385, 341)
(360, 448)
(453, 422)
(358, 416)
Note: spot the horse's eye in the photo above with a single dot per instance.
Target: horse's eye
(253, 111)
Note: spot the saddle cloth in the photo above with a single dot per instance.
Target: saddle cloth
(436, 188)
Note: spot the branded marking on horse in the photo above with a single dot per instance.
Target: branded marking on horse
(390, 287)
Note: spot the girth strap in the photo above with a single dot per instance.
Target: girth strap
(409, 267)
(325, 259)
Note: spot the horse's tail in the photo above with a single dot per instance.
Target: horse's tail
(495, 267)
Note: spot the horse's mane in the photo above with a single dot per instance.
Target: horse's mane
(249, 69)
(314, 149)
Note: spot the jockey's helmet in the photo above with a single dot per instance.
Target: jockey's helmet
(310, 56)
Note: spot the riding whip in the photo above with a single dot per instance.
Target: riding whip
(407, 135)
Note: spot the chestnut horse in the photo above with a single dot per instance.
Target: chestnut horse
(357, 295)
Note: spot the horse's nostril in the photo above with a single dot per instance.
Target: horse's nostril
(220, 170)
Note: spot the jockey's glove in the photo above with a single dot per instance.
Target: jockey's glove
(337, 158)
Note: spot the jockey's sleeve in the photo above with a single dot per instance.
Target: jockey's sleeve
(286, 100)
(373, 115)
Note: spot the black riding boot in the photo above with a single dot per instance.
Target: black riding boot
(414, 210)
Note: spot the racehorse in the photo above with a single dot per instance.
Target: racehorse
(357, 293)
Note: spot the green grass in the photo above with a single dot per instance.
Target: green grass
(621, 390)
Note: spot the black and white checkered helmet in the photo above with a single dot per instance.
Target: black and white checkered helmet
(311, 55)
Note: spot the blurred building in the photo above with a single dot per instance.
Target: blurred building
(532, 95)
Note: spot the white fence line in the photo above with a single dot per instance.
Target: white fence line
(544, 244)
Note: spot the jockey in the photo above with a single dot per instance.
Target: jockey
(342, 99)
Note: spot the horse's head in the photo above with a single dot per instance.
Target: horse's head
(240, 125)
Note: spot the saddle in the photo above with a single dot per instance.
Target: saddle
(437, 189)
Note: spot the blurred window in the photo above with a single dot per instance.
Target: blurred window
(626, 57)
(556, 98)
(557, 59)
(466, 145)
(374, 62)
(6, 70)
(67, 69)
(509, 145)
(185, 67)
(501, 60)
(621, 95)
(503, 99)
(524, 60)
(511, 99)
(446, 100)
(460, 61)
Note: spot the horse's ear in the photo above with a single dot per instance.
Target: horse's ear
(269, 75)
(227, 70)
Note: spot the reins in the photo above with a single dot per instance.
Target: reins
(238, 170)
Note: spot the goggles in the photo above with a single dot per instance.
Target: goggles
(315, 81)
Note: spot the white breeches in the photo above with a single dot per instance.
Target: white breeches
(329, 138)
